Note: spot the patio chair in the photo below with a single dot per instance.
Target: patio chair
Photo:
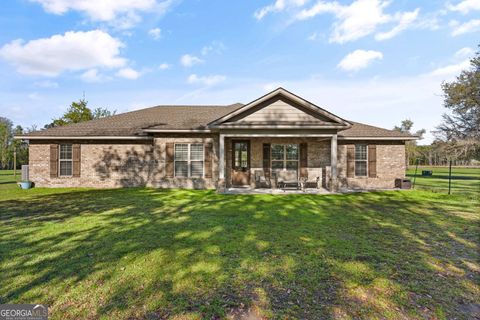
(260, 180)
(314, 178)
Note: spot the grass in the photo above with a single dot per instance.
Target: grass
(148, 254)
(465, 181)
(7, 180)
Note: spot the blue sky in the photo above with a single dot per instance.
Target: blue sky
(370, 61)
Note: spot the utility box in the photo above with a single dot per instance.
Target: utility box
(403, 184)
(25, 173)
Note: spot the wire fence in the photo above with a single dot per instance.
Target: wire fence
(446, 179)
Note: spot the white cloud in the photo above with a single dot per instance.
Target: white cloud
(34, 96)
(466, 52)
(462, 28)
(121, 13)
(46, 84)
(405, 19)
(128, 73)
(155, 33)
(277, 6)
(206, 80)
(188, 60)
(451, 69)
(359, 19)
(72, 51)
(319, 8)
(164, 66)
(313, 37)
(359, 59)
(465, 6)
(93, 76)
(461, 61)
(215, 47)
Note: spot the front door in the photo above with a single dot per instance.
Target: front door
(240, 163)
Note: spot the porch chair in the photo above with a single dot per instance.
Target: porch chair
(314, 177)
(260, 180)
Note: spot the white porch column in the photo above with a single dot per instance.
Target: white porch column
(221, 159)
(333, 162)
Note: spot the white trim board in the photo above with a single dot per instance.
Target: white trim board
(377, 138)
(81, 138)
(274, 135)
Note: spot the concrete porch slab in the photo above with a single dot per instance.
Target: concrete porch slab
(273, 191)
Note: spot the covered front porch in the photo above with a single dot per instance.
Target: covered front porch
(288, 162)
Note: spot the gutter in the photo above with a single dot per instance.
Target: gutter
(176, 130)
(378, 138)
(277, 127)
(82, 138)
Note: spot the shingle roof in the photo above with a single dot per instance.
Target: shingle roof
(178, 118)
(365, 130)
(132, 123)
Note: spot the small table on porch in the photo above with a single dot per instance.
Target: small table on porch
(290, 184)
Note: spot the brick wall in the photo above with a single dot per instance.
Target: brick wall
(120, 164)
(142, 163)
(189, 183)
(390, 165)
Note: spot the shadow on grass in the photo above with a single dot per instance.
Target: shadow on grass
(146, 253)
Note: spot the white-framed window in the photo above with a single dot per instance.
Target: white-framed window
(361, 160)
(189, 160)
(285, 156)
(65, 160)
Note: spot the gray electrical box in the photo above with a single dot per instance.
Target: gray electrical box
(25, 173)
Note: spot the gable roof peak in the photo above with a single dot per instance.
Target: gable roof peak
(289, 95)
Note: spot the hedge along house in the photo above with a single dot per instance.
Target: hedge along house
(279, 135)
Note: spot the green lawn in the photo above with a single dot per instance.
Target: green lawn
(465, 181)
(7, 180)
(147, 253)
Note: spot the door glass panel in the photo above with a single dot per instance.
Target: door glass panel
(240, 155)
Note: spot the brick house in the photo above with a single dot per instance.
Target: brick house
(275, 140)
